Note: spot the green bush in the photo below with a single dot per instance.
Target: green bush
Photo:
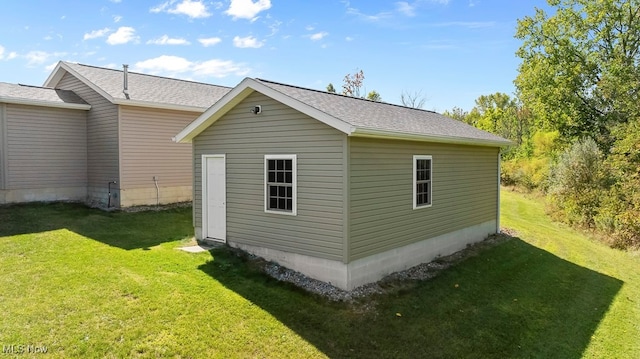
(530, 173)
(619, 214)
(577, 183)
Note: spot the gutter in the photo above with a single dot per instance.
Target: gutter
(374, 133)
(23, 101)
(158, 105)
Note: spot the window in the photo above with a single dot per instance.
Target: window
(280, 184)
(422, 179)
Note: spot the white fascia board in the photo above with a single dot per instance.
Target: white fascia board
(157, 105)
(310, 111)
(57, 74)
(29, 102)
(54, 77)
(375, 133)
(213, 114)
(239, 93)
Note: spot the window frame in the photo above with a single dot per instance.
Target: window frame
(294, 184)
(415, 182)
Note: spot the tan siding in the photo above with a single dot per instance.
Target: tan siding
(3, 148)
(47, 147)
(102, 138)
(381, 189)
(245, 138)
(147, 149)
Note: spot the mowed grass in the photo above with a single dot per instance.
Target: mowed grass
(89, 284)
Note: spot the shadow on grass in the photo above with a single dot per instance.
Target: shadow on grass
(117, 229)
(513, 300)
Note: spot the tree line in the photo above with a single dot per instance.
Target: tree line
(575, 116)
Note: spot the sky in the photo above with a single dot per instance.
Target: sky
(449, 52)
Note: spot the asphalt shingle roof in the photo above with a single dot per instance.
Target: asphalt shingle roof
(150, 88)
(40, 94)
(371, 115)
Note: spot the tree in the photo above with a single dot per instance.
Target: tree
(374, 96)
(457, 113)
(330, 88)
(580, 67)
(352, 84)
(413, 99)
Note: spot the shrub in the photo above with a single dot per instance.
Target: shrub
(577, 182)
(530, 173)
(619, 214)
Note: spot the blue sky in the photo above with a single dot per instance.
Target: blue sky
(451, 51)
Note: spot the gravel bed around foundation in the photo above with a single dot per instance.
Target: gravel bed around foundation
(388, 284)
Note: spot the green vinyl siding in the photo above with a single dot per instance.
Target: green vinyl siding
(245, 138)
(382, 217)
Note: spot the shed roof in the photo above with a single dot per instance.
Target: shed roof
(353, 116)
(144, 90)
(40, 96)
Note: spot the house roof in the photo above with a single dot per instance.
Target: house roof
(40, 96)
(353, 116)
(144, 90)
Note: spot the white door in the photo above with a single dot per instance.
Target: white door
(214, 197)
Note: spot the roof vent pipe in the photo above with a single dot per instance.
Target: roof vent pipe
(125, 91)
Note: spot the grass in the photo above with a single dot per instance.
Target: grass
(85, 283)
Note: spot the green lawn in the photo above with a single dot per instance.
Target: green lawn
(85, 283)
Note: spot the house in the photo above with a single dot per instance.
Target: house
(342, 189)
(43, 144)
(115, 127)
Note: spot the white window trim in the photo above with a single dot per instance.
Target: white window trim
(294, 184)
(415, 161)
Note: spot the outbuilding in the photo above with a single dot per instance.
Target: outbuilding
(342, 189)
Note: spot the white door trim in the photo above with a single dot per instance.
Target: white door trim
(205, 204)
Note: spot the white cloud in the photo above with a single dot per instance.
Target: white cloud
(1, 52)
(166, 40)
(175, 65)
(247, 9)
(349, 38)
(318, 36)
(12, 55)
(220, 68)
(210, 41)
(366, 17)
(40, 57)
(96, 33)
(406, 9)
(164, 63)
(193, 9)
(51, 66)
(116, 1)
(117, 18)
(123, 35)
(249, 41)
